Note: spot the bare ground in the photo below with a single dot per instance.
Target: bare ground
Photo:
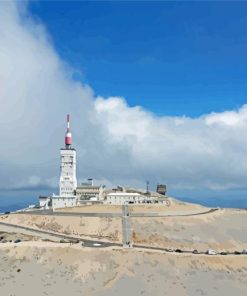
(220, 230)
(54, 270)
(107, 229)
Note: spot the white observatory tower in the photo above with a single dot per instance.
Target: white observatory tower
(68, 182)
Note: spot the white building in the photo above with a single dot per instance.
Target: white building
(68, 182)
(44, 202)
(88, 191)
(121, 198)
(63, 201)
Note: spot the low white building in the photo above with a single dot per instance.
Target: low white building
(45, 202)
(56, 201)
(89, 191)
(121, 198)
(63, 201)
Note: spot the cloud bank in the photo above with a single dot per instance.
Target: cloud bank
(116, 143)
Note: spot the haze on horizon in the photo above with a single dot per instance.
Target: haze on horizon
(119, 140)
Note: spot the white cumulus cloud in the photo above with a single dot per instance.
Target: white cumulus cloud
(115, 142)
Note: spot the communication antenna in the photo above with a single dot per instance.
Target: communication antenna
(68, 136)
(147, 186)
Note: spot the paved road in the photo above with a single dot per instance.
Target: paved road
(94, 243)
(57, 236)
(56, 213)
(126, 231)
(172, 215)
(183, 251)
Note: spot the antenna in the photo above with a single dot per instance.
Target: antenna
(67, 122)
(147, 186)
(68, 136)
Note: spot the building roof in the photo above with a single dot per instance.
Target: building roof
(68, 149)
(62, 197)
(87, 187)
(123, 194)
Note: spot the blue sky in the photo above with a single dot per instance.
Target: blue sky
(171, 58)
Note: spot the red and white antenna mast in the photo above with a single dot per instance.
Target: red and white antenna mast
(68, 136)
